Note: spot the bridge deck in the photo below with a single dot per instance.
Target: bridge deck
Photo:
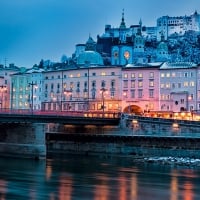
(74, 118)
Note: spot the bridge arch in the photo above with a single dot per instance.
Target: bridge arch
(133, 109)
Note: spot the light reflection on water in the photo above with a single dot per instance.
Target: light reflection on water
(96, 178)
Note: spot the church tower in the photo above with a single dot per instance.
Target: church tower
(122, 30)
(162, 50)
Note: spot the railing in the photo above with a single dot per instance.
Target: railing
(87, 114)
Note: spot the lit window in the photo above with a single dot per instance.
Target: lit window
(192, 83)
(162, 75)
(125, 75)
(167, 85)
(78, 75)
(103, 73)
(132, 84)
(185, 84)
(132, 75)
(151, 83)
(168, 75)
(140, 83)
(140, 75)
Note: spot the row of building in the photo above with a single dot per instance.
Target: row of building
(151, 88)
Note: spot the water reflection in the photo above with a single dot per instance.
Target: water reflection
(96, 178)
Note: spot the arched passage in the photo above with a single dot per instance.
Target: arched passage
(133, 109)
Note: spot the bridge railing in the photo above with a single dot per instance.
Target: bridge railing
(88, 114)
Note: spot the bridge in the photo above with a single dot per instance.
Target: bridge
(22, 133)
(73, 118)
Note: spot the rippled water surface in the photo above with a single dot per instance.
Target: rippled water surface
(98, 178)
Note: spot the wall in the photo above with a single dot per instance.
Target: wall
(23, 140)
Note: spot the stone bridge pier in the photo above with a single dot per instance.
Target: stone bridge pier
(25, 140)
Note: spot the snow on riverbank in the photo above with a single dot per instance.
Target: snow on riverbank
(173, 161)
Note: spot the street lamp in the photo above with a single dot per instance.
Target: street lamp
(68, 93)
(102, 91)
(3, 88)
(31, 85)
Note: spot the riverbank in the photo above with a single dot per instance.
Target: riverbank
(123, 145)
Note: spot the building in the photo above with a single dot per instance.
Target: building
(140, 88)
(179, 87)
(82, 89)
(26, 90)
(177, 25)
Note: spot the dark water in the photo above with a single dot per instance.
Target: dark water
(96, 178)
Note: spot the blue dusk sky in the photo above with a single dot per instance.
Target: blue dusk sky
(31, 30)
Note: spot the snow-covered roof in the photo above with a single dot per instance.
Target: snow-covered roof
(153, 64)
(178, 65)
(34, 71)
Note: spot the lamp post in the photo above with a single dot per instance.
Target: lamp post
(68, 93)
(31, 85)
(87, 64)
(2, 89)
(102, 91)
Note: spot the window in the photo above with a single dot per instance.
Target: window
(185, 84)
(132, 93)
(151, 75)
(168, 75)
(125, 84)
(132, 84)
(151, 93)
(93, 84)
(167, 85)
(125, 75)
(186, 74)
(162, 75)
(103, 73)
(173, 85)
(94, 74)
(192, 83)
(112, 73)
(151, 83)
(140, 75)
(179, 85)
(132, 75)
(140, 93)
(103, 84)
(112, 83)
(173, 74)
(140, 83)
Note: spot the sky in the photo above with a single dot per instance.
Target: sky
(31, 30)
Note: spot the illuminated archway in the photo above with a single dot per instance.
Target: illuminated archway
(133, 109)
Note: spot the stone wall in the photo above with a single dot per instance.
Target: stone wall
(23, 140)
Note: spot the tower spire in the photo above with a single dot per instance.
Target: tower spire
(123, 25)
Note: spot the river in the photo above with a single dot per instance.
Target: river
(97, 178)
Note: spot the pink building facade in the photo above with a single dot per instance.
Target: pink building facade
(140, 88)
